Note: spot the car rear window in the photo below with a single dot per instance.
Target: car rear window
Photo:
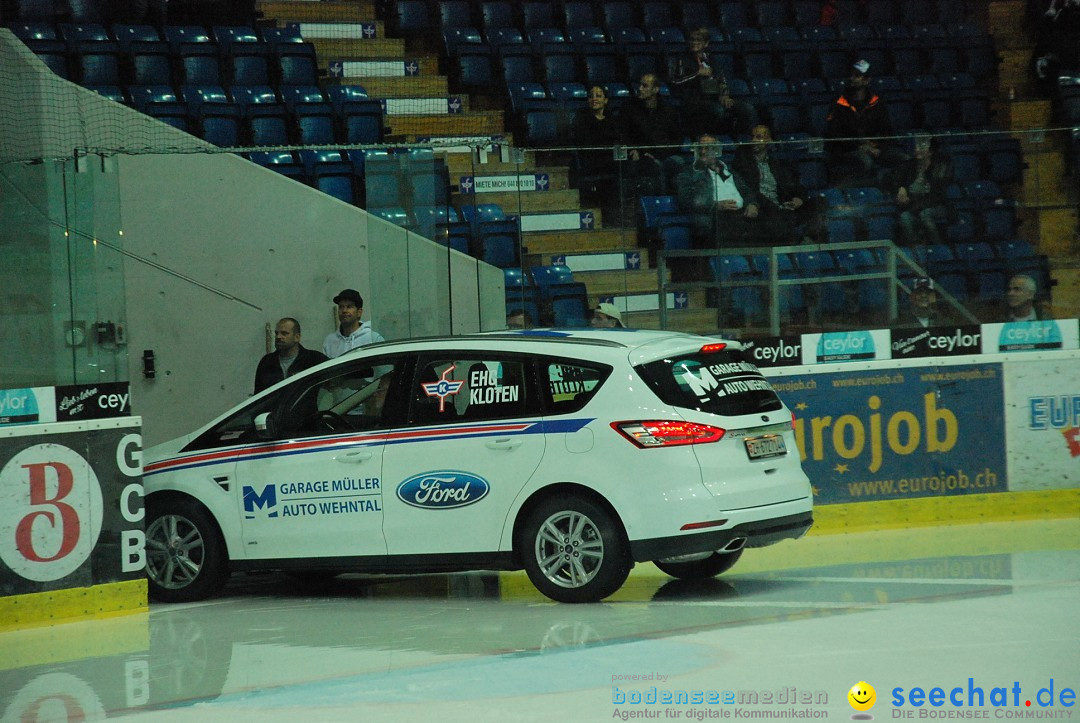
(720, 382)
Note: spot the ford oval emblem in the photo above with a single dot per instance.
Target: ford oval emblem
(443, 489)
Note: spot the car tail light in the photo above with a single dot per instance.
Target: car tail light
(712, 348)
(793, 419)
(667, 433)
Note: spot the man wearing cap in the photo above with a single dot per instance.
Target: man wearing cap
(351, 332)
(858, 121)
(607, 316)
(288, 358)
(922, 310)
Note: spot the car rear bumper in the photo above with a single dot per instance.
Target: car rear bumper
(758, 533)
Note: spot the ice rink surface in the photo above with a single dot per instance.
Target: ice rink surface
(783, 636)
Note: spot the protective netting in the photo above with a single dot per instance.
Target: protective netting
(287, 75)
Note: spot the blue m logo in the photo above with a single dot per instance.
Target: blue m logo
(265, 501)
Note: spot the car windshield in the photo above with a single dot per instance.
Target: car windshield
(721, 382)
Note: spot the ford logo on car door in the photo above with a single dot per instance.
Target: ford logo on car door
(443, 489)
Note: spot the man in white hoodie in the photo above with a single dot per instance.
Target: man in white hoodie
(351, 332)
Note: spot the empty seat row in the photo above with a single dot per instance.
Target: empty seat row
(220, 39)
(105, 63)
(259, 115)
(372, 179)
(421, 15)
(548, 294)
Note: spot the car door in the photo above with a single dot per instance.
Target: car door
(316, 490)
(473, 440)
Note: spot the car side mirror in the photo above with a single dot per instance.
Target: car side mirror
(265, 426)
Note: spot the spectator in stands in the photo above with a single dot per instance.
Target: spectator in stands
(922, 309)
(1057, 42)
(607, 316)
(1020, 299)
(596, 132)
(518, 319)
(351, 332)
(782, 206)
(288, 358)
(720, 203)
(856, 126)
(702, 90)
(647, 122)
(919, 186)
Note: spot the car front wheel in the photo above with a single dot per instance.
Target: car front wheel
(573, 550)
(710, 566)
(185, 555)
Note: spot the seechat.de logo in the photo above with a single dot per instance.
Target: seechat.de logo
(443, 489)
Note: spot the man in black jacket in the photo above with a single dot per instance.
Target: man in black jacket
(782, 206)
(702, 89)
(652, 131)
(288, 358)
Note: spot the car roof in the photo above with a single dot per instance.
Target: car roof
(638, 345)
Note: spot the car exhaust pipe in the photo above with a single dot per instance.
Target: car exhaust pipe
(735, 545)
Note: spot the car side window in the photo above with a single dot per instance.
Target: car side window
(569, 385)
(354, 399)
(237, 429)
(471, 388)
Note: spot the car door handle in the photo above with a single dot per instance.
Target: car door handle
(503, 444)
(361, 455)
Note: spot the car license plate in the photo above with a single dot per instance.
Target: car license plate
(769, 445)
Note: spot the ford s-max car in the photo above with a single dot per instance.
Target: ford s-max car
(571, 454)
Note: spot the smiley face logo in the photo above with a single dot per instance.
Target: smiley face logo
(862, 696)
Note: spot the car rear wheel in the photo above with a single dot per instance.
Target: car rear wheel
(711, 566)
(574, 550)
(185, 555)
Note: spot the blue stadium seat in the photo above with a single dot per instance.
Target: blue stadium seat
(112, 92)
(499, 37)
(496, 14)
(296, 64)
(410, 17)
(198, 64)
(618, 14)
(578, 14)
(569, 304)
(696, 14)
(516, 64)
(729, 268)
(456, 38)
(732, 15)
(274, 36)
(473, 69)
(538, 15)
(560, 68)
(770, 13)
(657, 15)
(600, 67)
(839, 230)
(454, 14)
(586, 37)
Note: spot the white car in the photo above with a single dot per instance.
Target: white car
(571, 454)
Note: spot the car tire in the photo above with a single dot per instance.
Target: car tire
(711, 566)
(595, 561)
(186, 558)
